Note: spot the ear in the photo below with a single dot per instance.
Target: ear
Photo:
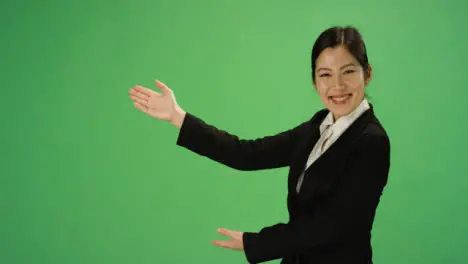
(368, 78)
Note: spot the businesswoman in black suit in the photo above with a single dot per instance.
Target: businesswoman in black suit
(338, 160)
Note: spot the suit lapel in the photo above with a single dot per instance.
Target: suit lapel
(303, 152)
(324, 170)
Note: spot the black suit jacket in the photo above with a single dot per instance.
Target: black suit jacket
(331, 218)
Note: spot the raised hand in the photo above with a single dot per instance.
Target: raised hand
(162, 106)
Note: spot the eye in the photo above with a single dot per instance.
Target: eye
(324, 75)
(349, 71)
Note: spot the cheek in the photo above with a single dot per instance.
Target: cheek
(355, 85)
(321, 89)
(357, 81)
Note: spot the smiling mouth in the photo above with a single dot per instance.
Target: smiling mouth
(342, 99)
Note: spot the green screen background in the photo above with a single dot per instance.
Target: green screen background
(87, 178)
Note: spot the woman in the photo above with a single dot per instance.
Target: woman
(338, 160)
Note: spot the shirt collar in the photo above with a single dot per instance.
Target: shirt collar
(343, 122)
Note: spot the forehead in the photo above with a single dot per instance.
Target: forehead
(335, 57)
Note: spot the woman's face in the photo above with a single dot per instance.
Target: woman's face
(340, 80)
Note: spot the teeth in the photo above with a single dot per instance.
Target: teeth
(342, 98)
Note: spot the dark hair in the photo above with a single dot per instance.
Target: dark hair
(349, 37)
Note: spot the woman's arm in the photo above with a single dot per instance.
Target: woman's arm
(242, 154)
(201, 138)
(349, 214)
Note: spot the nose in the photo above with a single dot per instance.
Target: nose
(338, 83)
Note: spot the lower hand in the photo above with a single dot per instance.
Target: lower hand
(236, 242)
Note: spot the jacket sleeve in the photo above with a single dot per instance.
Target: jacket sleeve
(254, 154)
(349, 214)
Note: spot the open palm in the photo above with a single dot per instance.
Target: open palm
(159, 105)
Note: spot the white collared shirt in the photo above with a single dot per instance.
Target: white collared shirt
(330, 131)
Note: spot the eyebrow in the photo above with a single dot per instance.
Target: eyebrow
(344, 66)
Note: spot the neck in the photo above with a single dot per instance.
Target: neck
(335, 117)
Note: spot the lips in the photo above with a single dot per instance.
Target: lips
(340, 99)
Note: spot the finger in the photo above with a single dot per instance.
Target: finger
(140, 101)
(143, 90)
(224, 232)
(224, 244)
(162, 86)
(140, 107)
(140, 95)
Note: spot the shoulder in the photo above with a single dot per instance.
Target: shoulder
(319, 115)
(306, 125)
(373, 139)
(314, 121)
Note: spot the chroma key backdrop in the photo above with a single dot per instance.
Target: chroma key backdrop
(87, 178)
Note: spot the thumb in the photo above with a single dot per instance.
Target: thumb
(162, 86)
